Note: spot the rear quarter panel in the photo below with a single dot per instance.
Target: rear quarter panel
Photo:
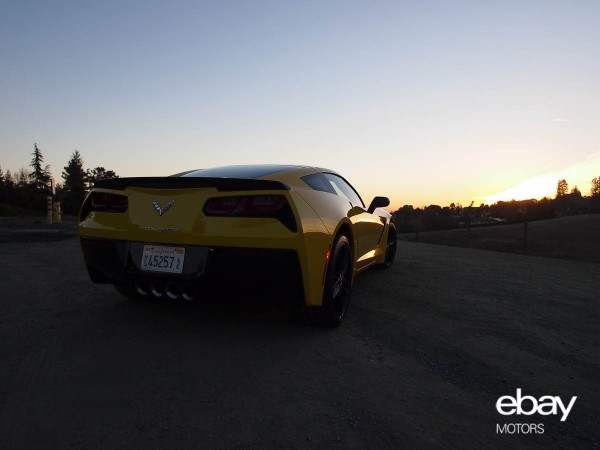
(369, 231)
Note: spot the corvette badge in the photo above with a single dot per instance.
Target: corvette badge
(162, 210)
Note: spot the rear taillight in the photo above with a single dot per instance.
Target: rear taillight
(103, 202)
(273, 206)
(221, 206)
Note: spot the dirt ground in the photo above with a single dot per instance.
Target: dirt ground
(428, 347)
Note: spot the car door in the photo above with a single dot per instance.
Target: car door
(367, 227)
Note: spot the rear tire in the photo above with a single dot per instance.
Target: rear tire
(337, 289)
(390, 247)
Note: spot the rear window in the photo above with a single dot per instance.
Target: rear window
(318, 182)
(333, 184)
(245, 172)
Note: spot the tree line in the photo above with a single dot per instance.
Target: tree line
(28, 188)
(409, 219)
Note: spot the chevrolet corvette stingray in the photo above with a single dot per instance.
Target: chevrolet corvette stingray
(305, 228)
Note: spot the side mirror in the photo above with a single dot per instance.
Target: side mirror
(378, 202)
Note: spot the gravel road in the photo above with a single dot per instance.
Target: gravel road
(427, 349)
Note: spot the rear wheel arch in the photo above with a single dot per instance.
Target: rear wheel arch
(391, 246)
(392, 225)
(337, 285)
(346, 230)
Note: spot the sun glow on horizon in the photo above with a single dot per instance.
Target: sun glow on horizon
(538, 187)
(579, 174)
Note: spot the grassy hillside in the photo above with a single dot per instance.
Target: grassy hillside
(573, 237)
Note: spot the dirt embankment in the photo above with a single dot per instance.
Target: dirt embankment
(35, 229)
(572, 237)
(427, 349)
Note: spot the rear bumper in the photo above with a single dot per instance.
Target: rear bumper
(118, 262)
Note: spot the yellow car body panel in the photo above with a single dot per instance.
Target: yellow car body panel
(319, 217)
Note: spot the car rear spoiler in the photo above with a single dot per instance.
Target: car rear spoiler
(222, 184)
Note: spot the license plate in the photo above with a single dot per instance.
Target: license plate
(158, 258)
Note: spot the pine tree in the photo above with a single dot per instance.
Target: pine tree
(99, 173)
(2, 187)
(9, 180)
(8, 187)
(74, 185)
(40, 177)
(22, 178)
(595, 190)
(562, 188)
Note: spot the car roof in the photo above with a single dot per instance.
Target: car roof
(251, 171)
(289, 174)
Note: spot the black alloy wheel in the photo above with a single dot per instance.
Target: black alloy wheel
(338, 283)
(390, 248)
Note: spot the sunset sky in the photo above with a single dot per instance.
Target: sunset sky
(426, 102)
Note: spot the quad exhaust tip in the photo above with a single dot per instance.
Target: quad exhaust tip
(188, 292)
(172, 291)
(159, 289)
(142, 287)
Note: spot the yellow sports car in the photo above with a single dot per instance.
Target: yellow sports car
(173, 236)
